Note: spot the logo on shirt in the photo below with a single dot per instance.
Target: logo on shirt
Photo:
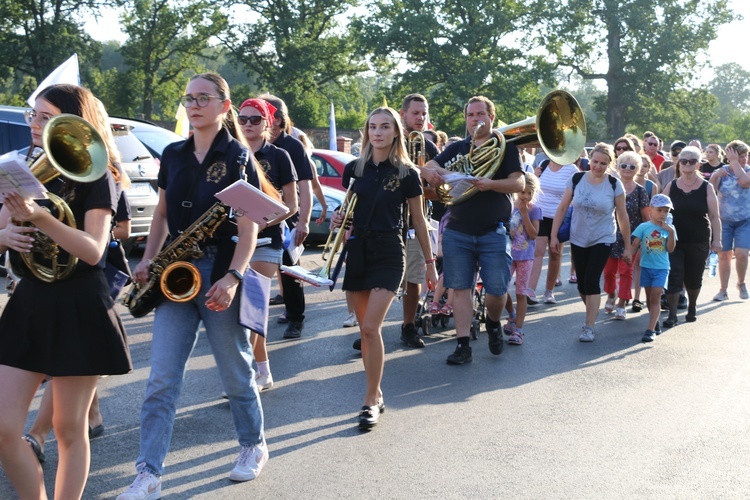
(265, 165)
(216, 172)
(392, 184)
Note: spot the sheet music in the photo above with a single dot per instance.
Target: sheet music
(15, 177)
(248, 200)
(459, 183)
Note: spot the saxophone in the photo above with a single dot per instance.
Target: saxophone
(179, 280)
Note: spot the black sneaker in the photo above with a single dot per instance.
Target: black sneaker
(670, 322)
(637, 306)
(648, 336)
(657, 329)
(664, 304)
(357, 345)
(690, 316)
(495, 340)
(294, 330)
(460, 356)
(683, 302)
(368, 417)
(410, 336)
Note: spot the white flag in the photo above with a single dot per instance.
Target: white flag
(332, 131)
(67, 72)
(183, 125)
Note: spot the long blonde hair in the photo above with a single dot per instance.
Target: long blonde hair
(398, 156)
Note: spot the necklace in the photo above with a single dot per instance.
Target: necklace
(692, 184)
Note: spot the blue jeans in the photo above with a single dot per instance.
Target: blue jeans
(176, 327)
(463, 252)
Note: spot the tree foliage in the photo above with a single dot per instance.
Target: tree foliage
(643, 50)
(298, 50)
(164, 39)
(451, 50)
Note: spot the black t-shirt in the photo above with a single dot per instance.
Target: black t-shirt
(180, 170)
(482, 212)
(302, 163)
(707, 169)
(123, 208)
(278, 167)
(387, 212)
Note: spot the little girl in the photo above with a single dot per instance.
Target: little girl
(524, 226)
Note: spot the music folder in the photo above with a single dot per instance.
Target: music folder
(16, 177)
(245, 199)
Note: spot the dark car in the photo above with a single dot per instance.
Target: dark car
(14, 131)
(330, 166)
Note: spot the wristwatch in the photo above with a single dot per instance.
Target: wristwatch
(236, 274)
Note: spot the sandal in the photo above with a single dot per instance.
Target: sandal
(35, 447)
(637, 306)
(446, 310)
(516, 338)
(573, 279)
(434, 308)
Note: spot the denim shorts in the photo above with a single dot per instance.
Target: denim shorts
(463, 252)
(654, 278)
(735, 234)
(267, 254)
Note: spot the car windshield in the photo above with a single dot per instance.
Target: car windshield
(156, 140)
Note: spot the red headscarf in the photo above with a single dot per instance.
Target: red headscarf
(267, 110)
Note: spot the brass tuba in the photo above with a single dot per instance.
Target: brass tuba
(74, 149)
(559, 128)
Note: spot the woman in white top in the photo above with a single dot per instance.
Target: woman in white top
(552, 178)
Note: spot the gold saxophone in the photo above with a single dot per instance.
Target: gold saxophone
(178, 280)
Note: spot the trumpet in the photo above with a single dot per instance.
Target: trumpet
(331, 248)
(416, 145)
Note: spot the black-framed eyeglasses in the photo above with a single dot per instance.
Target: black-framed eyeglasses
(201, 100)
(626, 166)
(690, 161)
(254, 120)
(30, 114)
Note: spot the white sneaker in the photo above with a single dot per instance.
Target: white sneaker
(264, 382)
(351, 320)
(587, 334)
(620, 314)
(549, 297)
(721, 296)
(250, 462)
(145, 487)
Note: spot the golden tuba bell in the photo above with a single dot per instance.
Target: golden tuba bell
(559, 128)
(74, 149)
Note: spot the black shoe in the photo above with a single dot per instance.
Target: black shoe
(683, 302)
(670, 322)
(664, 304)
(495, 340)
(368, 416)
(275, 301)
(410, 336)
(690, 316)
(637, 306)
(35, 447)
(460, 356)
(657, 329)
(357, 345)
(294, 330)
(648, 336)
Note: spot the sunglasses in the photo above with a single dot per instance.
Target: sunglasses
(622, 148)
(254, 120)
(691, 161)
(626, 166)
(652, 143)
(676, 152)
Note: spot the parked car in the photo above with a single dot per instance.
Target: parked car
(330, 166)
(319, 233)
(140, 145)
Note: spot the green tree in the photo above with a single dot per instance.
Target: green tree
(643, 50)
(450, 50)
(164, 39)
(298, 50)
(38, 35)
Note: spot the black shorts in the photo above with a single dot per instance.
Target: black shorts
(545, 227)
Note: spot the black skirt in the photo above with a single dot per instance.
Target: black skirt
(382, 257)
(65, 328)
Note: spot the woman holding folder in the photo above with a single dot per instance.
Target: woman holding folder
(192, 172)
(254, 118)
(384, 181)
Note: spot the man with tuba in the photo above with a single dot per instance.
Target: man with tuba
(414, 113)
(476, 232)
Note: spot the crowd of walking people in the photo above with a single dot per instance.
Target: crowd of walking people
(640, 220)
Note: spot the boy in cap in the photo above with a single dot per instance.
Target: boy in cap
(656, 238)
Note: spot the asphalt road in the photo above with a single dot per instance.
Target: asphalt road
(554, 418)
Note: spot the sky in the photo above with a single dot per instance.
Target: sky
(725, 49)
